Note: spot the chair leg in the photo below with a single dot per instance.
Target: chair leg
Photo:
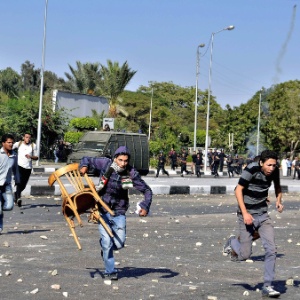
(72, 228)
(98, 217)
(71, 205)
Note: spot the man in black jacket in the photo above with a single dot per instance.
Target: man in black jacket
(161, 164)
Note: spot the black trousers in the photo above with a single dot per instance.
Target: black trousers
(24, 177)
(163, 169)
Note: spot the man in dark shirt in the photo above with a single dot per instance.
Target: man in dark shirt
(252, 197)
(161, 164)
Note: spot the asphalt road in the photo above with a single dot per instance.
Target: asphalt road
(173, 254)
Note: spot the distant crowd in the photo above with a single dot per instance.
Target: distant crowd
(216, 160)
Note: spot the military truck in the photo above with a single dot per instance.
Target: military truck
(105, 143)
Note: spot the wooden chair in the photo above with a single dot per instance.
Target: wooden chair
(78, 197)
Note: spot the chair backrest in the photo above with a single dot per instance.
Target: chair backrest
(73, 187)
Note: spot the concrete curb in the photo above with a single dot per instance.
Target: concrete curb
(46, 190)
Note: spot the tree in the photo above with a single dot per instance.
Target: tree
(85, 78)
(30, 77)
(10, 82)
(114, 81)
(21, 115)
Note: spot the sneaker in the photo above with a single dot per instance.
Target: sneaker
(19, 202)
(227, 247)
(268, 291)
(111, 276)
(233, 256)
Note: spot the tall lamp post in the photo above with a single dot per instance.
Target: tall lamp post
(231, 27)
(39, 129)
(196, 97)
(258, 124)
(150, 117)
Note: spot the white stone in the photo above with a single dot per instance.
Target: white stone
(246, 293)
(55, 286)
(65, 294)
(290, 281)
(43, 237)
(54, 272)
(107, 281)
(34, 291)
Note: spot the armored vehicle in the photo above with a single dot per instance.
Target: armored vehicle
(105, 143)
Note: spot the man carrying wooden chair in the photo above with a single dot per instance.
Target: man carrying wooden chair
(116, 177)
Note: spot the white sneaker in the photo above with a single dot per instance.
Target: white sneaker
(268, 291)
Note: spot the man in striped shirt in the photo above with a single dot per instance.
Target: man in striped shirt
(252, 197)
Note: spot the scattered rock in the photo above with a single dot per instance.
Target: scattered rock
(43, 237)
(34, 291)
(65, 294)
(107, 281)
(55, 286)
(290, 281)
(54, 272)
(192, 287)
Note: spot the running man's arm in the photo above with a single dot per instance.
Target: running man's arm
(278, 193)
(248, 219)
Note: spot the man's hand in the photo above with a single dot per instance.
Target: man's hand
(248, 219)
(83, 170)
(143, 213)
(279, 207)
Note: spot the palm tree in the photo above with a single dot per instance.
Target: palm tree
(114, 80)
(85, 78)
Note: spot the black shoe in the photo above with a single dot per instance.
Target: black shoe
(111, 276)
(19, 202)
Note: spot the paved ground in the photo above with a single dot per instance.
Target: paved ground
(173, 254)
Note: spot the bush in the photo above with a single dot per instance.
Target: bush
(81, 124)
(153, 162)
(73, 137)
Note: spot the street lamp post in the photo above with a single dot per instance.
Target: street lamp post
(258, 125)
(231, 27)
(39, 129)
(196, 97)
(150, 117)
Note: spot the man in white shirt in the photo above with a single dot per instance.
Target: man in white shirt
(8, 167)
(26, 154)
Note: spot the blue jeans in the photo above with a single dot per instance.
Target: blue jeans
(117, 225)
(6, 200)
(243, 246)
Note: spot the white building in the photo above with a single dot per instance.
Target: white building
(79, 105)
